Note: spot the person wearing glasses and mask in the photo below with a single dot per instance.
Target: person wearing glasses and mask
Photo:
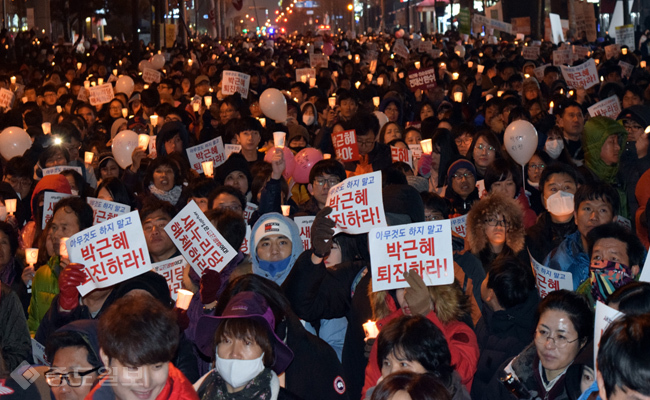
(564, 328)
(374, 155)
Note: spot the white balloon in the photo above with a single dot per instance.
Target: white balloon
(144, 64)
(382, 118)
(460, 50)
(274, 105)
(157, 61)
(124, 85)
(520, 140)
(123, 145)
(14, 141)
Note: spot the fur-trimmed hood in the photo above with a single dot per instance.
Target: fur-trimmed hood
(501, 205)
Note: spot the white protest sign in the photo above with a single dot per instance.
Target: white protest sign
(459, 225)
(612, 51)
(605, 315)
(583, 76)
(249, 210)
(304, 225)
(581, 52)
(101, 94)
(416, 150)
(610, 107)
(49, 201)
(645, 272)
(626, 69)
(151, 75)
(235, 82)
(539, 71)
(172, 270)
(231, 148)
(561, 57)
(245, 244)
(103, 210)
(557, 35)
(401, 155)
(549, 280)
(198, 240)
(6, 98)
(480, 186)
(357, 204)
(306, 72)
(625, 36)
(318, 61)
(586, 19)
(38, 351)
(530, 52)
(400, 49)
(211, 150)
(424, 247)
(60, 168)
(110, 252)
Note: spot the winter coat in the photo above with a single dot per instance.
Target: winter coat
(528, 214)
(45, 286)
(502, 335)
(15, 341)
(546, 235)
(296, 248)
(570, 256)
(13, 278)
(460, 206)
(378, 159)
(642, 194)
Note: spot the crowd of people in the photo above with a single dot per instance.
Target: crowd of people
(281, 322)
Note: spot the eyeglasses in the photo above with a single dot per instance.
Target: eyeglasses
(365, 142)
(434, 217)
(537, 166)
(331, 182)
(490, 149)
(542, 336)
(463, 141)
(231, 207)
(496, 222)
(74, 378)
(460, 177)
(158, 224)
(633, 126)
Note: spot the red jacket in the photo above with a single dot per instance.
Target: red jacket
(460, 338)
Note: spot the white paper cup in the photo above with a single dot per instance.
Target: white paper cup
(286, 210)
(143, 141)
(47, 127)
(208, 168)
(63, 250)
(183, 299)
(88, 157)
(31, 256)
(279, 139)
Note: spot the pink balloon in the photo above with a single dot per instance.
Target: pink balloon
(289, 162)
(328, 49)
(305, 160)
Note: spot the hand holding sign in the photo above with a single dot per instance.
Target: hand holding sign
(210, 284)
(417, 294)
(322, 231)
(72, 276)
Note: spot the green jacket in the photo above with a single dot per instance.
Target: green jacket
(44, 287)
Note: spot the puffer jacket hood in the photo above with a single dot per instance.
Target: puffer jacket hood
(296, 247)
(596, 132)
(501, 205)
(54, 183)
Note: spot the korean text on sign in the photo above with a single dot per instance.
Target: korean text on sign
(605, 315)
(422, 79)
(304, 225)
(235, 82)
(209, 151)
(6, 98)
(401, 155)
(459, 225)
(549, 280)
(110, 252)
(248, 212)
(424, 247)
(172, 270)
(345, 145)
(610, 107)
(151, 75)
(356, 204)
(60, 168)
(49, 201)
(198, 240)
(101, 94)
(103, 210)
(583, 76)
(307, 72)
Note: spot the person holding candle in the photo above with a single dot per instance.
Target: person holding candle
(19, 173)
(434, 165)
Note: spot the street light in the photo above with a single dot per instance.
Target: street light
(351, 9)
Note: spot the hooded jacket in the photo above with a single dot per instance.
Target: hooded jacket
(52, 183)
(296, 248)
(14, 337)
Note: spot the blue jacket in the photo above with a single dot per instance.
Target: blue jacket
(571, 257)
(296, 248)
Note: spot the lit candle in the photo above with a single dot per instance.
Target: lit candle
(59, 109)
(100, 81)
(597, 61)
(349, 56)
(427, 146)
(93, 84)
(88, 157)
(87, 84)
(357, 59)
(312, 82)
(332, 101)
(642, 64)
(115, 72)
(13, 80)
(291, 61)
(479, 68)
(237, 59)
(417, 65)
(380, 80)
(262, 63)
(31, 256)
(286, 210)
(47, 128)
(303, 78)
(624, 51)
(208, 101)
(79, 65)
(263, 122)
(357, 84)
(125, 112)
(488, 97)
(196, 106)
(443, 66)
(369, 77)
(183, 299)
(326, 156)
(208, 168)
(500, 93)
(279, 139)
(550, 108)
(376, 100)
(455, 76)
(470, 64)
(370, 328)
(63, 250)
(154, 120)
(189, 62)
(458, 97)
(146, 85)
(335, 74)
(570, 93)
(526, 76)
(143, 141)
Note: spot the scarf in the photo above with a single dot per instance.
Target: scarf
(606, 277)
(274, 267)
(258, 389)
(170, 196)
(7, 273)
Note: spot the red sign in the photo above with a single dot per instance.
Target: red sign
(345, 145)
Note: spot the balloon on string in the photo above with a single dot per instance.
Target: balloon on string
(157, 61)
(144, 64)
(383, 119)
(274, 105)
(123, 145)
(520, 140)
(289, 161)
(460, 50)
(124, 85)
(328, 49)
(14, 141)
(305, 160)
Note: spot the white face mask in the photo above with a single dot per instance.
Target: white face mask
(238, 373)
(554, 147)
(308, 119)
(560, 203)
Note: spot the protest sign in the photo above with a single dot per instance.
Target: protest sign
(435, 53)
(110, 252)
(645, 272)
(400, 49)
(231, 148)
(151, 75)
(549, 280)
(211, 150)
(626, 69)
(197, 239)
(38, 351)
(491, 23)
(416, 150)
(83, 95)
(521, 25)
(612, 51)
(530, 52)
(235, 82)
(561, 57)
(60, 168)
(306, 72)
(49, 201)
(557, 35)
(248, 212)
(401, 155)
(459, 225)
(610, 107)
(6, 98)
(422, 78)
(582, 76)
(318, 61)
(424, 46)
(101, 94)
(357, 204)
(345, 146)
(304, 225)
(245, 244)
(424, 247)
(580, 52)
(585, 20)
(625, 37)
(103, 210)
(172, 270)
(605, 315)
(539, 71)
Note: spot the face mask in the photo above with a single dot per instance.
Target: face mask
(274, 267)
(297, 149)
(560, 203)
(74, 192)
(238, 373)
(554, 147)
(308, 119)
(606, 277)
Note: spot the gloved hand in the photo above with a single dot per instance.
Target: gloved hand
(417, 294)
(210, 284)
(322, 231)
(72, 276)
(424, 165)
(182, 319)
